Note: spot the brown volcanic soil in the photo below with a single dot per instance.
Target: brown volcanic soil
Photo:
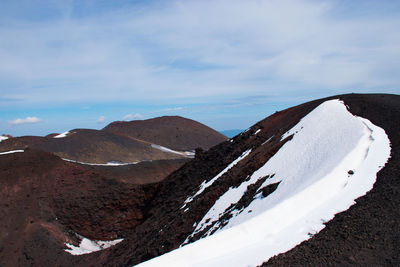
(170, 131)
(45, 201)
(141, 173)
(90, 146)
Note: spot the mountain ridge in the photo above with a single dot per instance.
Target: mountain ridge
(178, 219)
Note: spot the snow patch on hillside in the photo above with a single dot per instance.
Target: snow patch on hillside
(11, 152)
(87, 246)
(188, 154)
(110, 163)
(62, 135)
(206, 184)
(2, 138)
(315, 183)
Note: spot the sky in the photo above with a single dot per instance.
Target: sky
(225, 63)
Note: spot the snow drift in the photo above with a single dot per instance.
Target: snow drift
(332, 159)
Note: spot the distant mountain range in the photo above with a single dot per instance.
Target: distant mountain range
(313, 185)
(168, 137)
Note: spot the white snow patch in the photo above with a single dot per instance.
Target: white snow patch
(259, 130)
(312, 169)
(206, 184)
(168, 150)
(10, 152)
(62, 135)
(87, 246)
(111, 163)
(2, 138)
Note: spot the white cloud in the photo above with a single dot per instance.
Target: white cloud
(101, 119)
(201, 49)
(25, 121)
(129, 117)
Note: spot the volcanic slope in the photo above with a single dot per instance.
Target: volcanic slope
(174, 132)
(276, 185)
(48, 205)
(221, 206)
(104, 146)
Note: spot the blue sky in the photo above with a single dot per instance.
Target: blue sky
(226, 63)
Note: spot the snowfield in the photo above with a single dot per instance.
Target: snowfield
(2, 138)
(332, 159)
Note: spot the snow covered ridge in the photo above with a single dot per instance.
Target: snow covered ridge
(332, 159)
(189, 154)
(206, 184)
(87, 246)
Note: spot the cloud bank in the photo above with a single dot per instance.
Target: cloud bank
(179, 51)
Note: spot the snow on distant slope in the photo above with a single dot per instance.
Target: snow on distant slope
(62, 135)
(2, 138)
(10, 152)
(168, 150)
(332, 159)
(110, 163)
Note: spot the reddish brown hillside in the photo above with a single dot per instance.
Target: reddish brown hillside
(45, 201)
(141, 173)
(170, 131)
(90, 146)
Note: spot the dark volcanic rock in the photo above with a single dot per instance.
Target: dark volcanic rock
(45, 201)
(141, 173)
